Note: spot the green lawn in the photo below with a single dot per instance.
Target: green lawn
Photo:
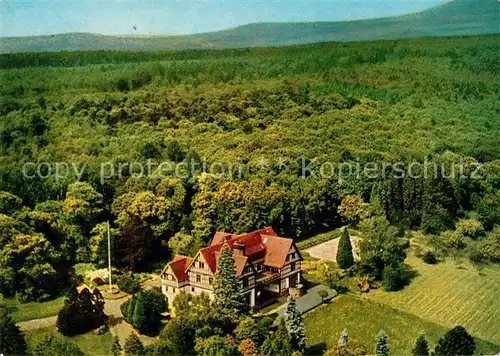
(364, 318)
(28, 311)
(451, 294)
(89, 343)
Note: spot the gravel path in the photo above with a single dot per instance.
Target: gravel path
(37, 323)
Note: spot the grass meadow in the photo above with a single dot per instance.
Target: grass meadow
(363, 318)
(89, 343)
(32, 310)
(451, 293)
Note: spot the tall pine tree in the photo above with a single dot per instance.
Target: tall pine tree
(382, 348)
(421, 347)
(278, 343)
(295, 327)
(133, 346)
(344, 339)
(228, 300)
(345, 258)
(116, 348)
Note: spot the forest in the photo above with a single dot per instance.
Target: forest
(268, 111)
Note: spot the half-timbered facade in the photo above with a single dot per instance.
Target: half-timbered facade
(266, 264)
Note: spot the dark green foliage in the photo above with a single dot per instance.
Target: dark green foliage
(149, 150)
(144, 310)
(455, 342)
(116, 348)
(81, 312)
(128, 283)
(11, 338)
(382, 348)
(179, 335)
(228, 301)
(215, 346)
(395, 278)
(122, 84)
(320, 102)
(429, 257)
(345, 258)
(295, 327)
(421, 347)
(133, 346)
(279, 342)
(56, 346)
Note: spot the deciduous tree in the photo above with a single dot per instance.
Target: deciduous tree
(456, 341)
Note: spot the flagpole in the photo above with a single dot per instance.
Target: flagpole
(109, 260)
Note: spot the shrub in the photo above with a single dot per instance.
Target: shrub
(395, 278)
(429, 257)
(144, 310)
(364, 283)
(452, 239)
(128, 283)
(490, 246)
(476, 256)
(122, 84)
(470, 228)
(51, 345)
(323, 294)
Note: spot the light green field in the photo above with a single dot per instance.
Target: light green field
(28, 311)
(451, 294)
(363, 319)
(89, 343)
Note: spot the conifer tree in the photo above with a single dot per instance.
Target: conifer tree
(295, 327)
(116, 348)
(345, 258)
(376, 205)
(133, 346)
(279, 343)
(421, 347)
(228, 300)
(382, 348)
(344, 339)
(11, 338)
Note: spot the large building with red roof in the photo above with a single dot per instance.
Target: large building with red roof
(266, 264)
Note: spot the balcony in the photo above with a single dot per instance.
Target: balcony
(267, 277)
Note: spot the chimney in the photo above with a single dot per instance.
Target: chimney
(239, 248)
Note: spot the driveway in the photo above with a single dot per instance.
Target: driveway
(328, 250)
(308, 301)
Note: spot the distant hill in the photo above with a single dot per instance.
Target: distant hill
(459, 17)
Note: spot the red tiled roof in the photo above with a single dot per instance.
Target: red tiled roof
(263, 243)
(277, 249)
(219, 238)
(179, 265)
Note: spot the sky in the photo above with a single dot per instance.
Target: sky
(113, 17)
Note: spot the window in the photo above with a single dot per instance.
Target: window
(198, 278)
(173, 289)
(201, 265)
(192, 289)
(211, 280)
(292, 266)
(245, 282)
